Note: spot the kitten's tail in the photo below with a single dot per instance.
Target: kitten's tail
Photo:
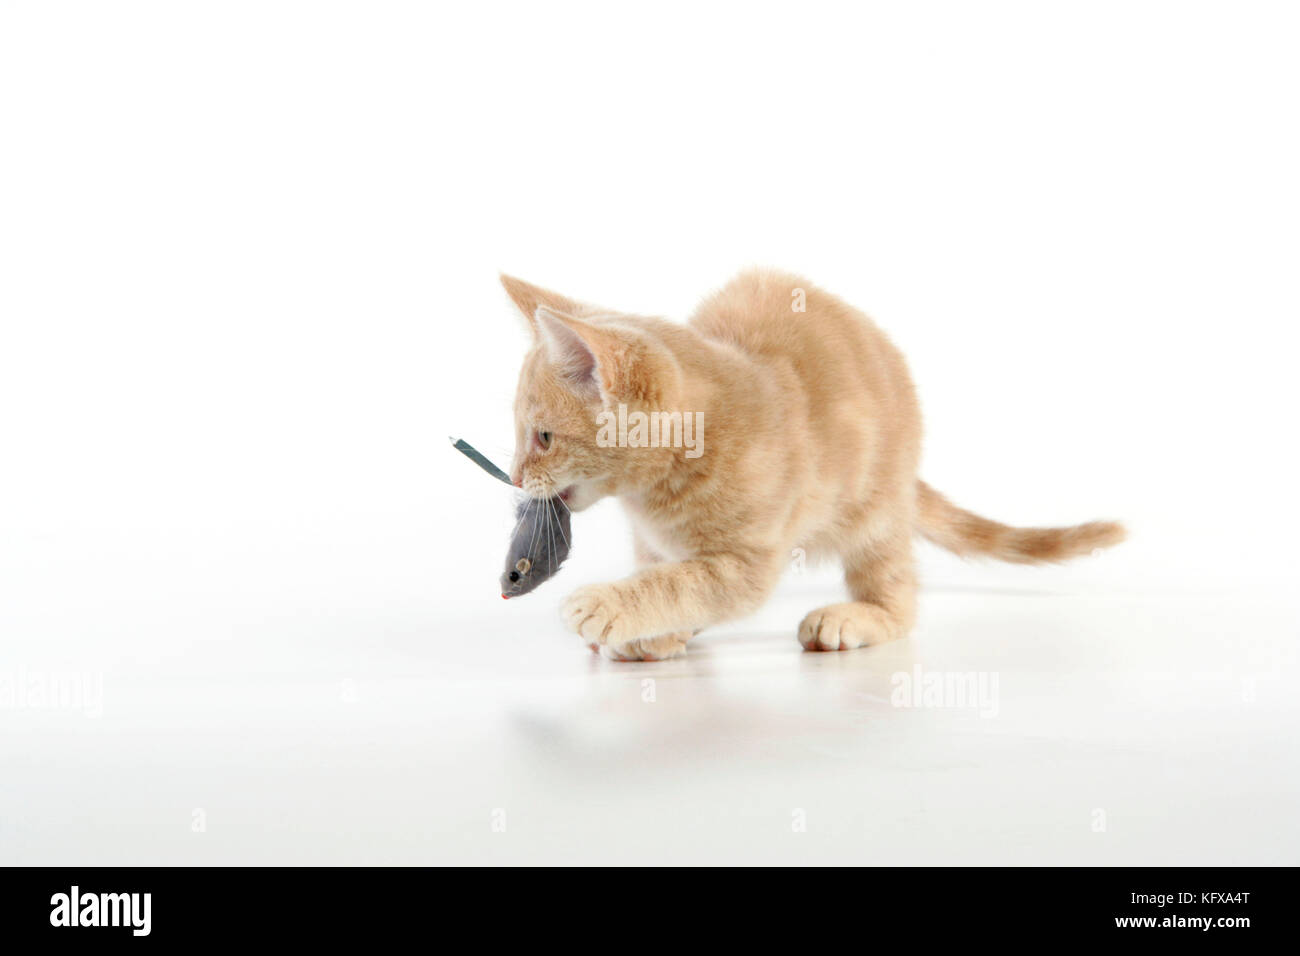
(964, 533)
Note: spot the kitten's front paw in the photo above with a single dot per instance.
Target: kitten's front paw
(661, 648)
(597, 614)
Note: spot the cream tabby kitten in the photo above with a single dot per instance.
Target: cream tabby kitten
(811, 437)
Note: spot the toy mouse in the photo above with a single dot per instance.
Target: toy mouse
(540, 542)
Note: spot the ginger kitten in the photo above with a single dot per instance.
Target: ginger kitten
(808, 435)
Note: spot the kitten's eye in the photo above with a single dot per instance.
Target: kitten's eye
(543, 439)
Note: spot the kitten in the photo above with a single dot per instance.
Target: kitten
(808, 436)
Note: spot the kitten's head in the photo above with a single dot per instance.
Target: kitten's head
(583, 361)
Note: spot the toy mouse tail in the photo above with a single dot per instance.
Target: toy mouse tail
(969, 535)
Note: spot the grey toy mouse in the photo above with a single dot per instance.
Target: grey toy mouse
(539, 545)
(540, 542)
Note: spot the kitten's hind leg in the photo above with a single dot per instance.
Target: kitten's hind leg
(882, 582)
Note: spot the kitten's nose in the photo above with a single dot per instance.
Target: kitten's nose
(517, 479)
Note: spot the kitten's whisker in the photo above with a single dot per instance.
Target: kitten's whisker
(532, 539)
(523, 513)
(550, 537)
(559, 524)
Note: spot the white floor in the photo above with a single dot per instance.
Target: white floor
(299, 720)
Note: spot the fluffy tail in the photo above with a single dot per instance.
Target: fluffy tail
(941, 521)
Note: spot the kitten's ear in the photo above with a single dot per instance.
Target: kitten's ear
(590, 357)
(528, 298)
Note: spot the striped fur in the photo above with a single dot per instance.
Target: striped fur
(967, 534)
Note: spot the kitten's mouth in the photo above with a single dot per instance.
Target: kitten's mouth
(566, 494)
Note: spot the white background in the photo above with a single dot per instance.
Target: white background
(248, 258)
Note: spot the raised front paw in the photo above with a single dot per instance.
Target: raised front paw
(661, 648)
(598, 615)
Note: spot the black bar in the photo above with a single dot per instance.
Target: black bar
(371, 906)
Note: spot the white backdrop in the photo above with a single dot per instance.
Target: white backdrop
(248, 258)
